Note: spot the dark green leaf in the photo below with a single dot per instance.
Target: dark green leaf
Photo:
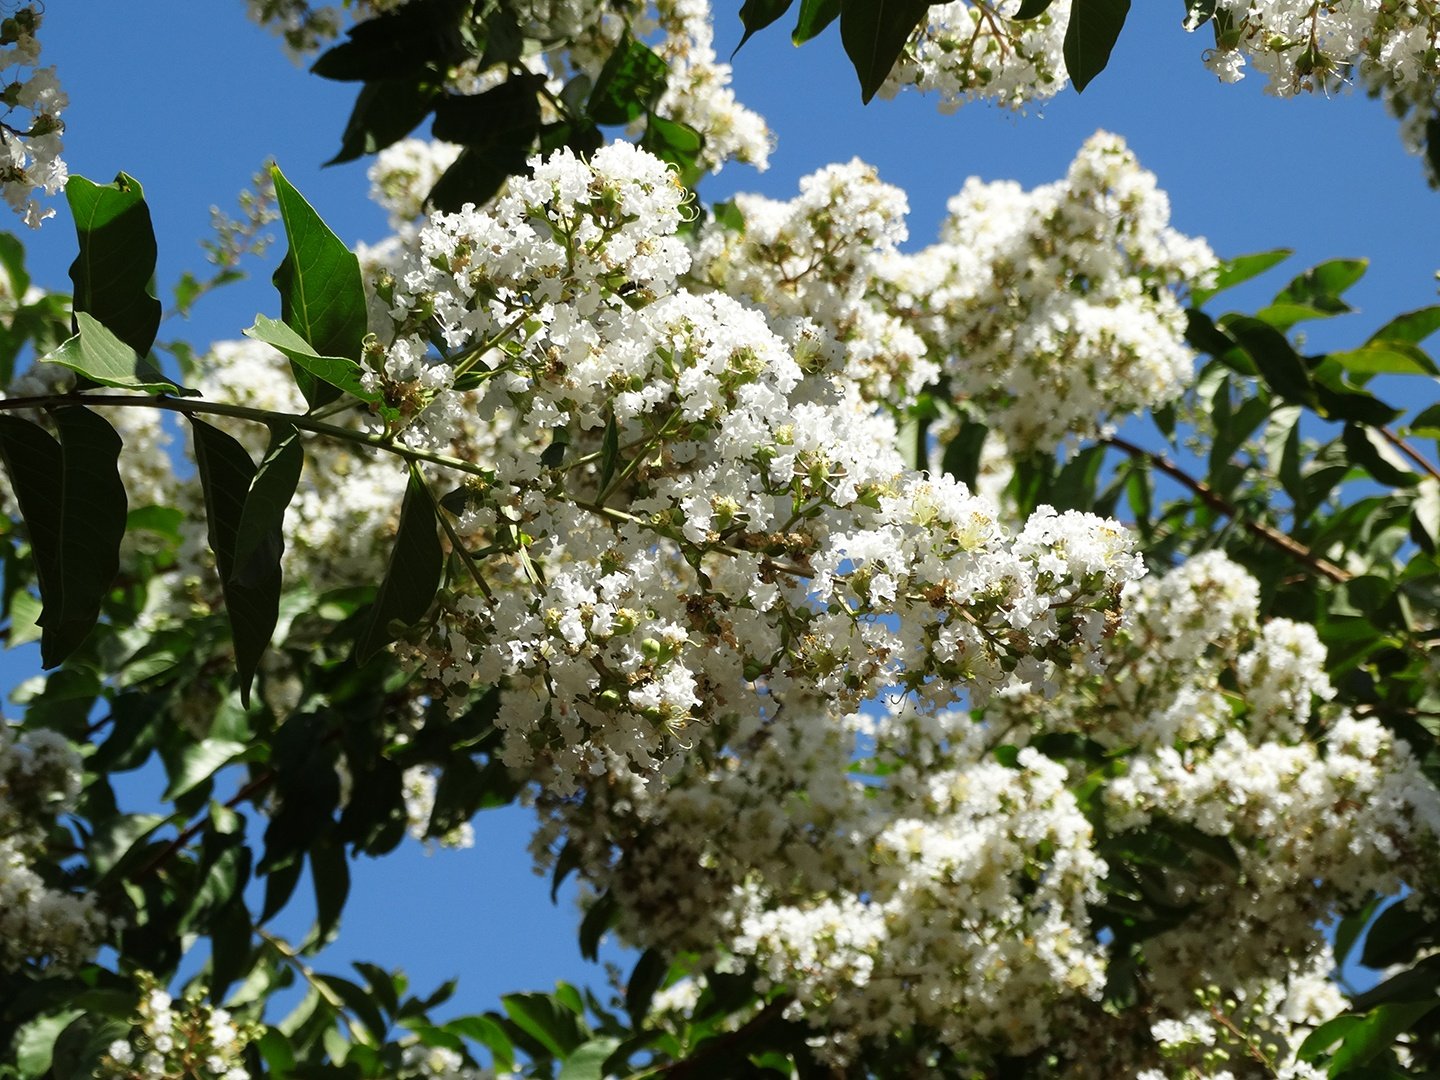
(1370, 449)
(1240, 269)
(599, 918)
(398, 43)
(1031, 9)
(645, 979)
(629, 84)
(755, 15)
(322, 297)
(1279, 364)
(239, 499)
(359, 1004)
(412, 575)
(116, 263)
(340, 372)
(103, 358)
(874, 33)
(494, 117)
(81, 1045)
(330, 874)
(609, 452)
(386, 110)
(73, 502)
(1094, 28)
(198, 762)
(476, 175)
(815, 16)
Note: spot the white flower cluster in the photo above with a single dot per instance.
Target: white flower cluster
(1301, 45)
(184, 1038)
(41, 923)
(697, 89)
(30, 126)
(695, 527)
(811, 264)
(1055, 309)
(438, 1063)
(973, 50)
(918, 871)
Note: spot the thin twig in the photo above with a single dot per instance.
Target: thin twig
(1213, 499)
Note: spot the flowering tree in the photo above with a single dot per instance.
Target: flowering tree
(906, 713)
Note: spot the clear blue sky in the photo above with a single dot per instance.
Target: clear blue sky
(190, 98)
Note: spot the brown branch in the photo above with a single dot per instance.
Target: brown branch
(1410, 452)
(255, 784)
(1213, 499)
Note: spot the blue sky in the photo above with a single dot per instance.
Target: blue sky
(191, 99)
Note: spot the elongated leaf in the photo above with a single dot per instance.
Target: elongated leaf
(103, 358)
(874, 32)
(386, 110)
(1386, 358)
(260, 541)
(755, 15)
(198, 762)
(73, 503)
(629, 84)
(588, 1060)
(1031, 9)
(1094, 28)
(1376, 1033)
(538, 1016)
(1280, 366)
(322, 297)
(1240, 269)
(338, 371)
(400, 42)
(1413, 326)
(244, 509)
(117, 258)
(815, 16)
(490, 117)
(412, 575)
(1322, 285)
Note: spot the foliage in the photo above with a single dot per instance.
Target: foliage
(592, 496)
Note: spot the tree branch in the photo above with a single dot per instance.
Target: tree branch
(1211, 498)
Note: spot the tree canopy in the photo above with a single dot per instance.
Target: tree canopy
(990, 658)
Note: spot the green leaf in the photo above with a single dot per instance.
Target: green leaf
(1413, 326)
(1319, 1041)
(1094, 28)
(386, 110)
(1280, 365)
(79, 1047)
(493, 117)
(629, 85)
(1240, 269)
(412, 575)
(244, 511)
(406, 41)
(103, 358)
(24, 620)
(34, 1043)
(599, 918)
(1382, 357)
(756, 15)
(73, 502)
(588, 1060)
(198, 762)
(549, 1024)
(874, 33)
(649, 972)
(815, 16)
(260, 540)
(1322, 285)
(322, 297)
(477, 174)
(1371, 450)
(330, 874)
(676, 143)
(341, 372)
(1377, 1033)
(1031, 9)
(113, 271)
(609, 453)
